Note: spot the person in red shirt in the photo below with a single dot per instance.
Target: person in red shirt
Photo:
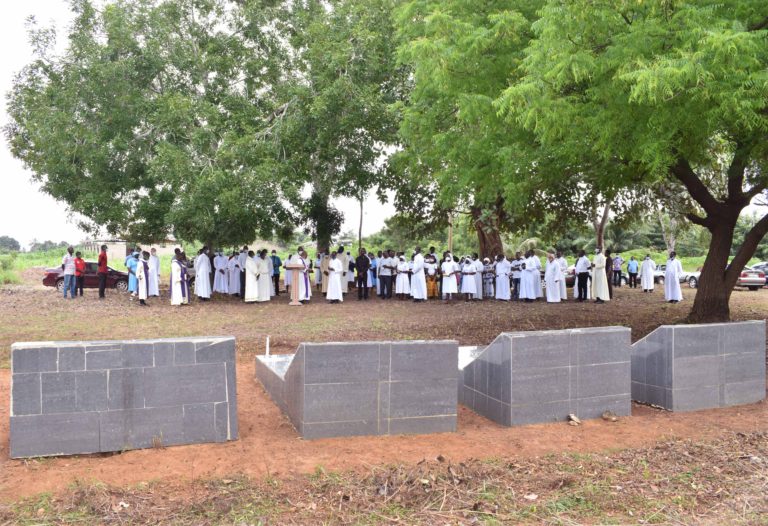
(102, 271)
(79, 272)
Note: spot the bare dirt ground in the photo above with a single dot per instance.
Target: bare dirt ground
(268, 448)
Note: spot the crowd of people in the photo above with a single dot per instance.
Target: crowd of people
(255, 276)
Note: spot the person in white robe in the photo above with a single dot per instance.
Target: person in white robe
(488, 278)
(342, 257)
(537, 283)
(203, 275)
(179, 284)
(672, 274)
(142, 277)
(503, 268)
(402, 285)
(221, 278)
(553, 276)
(449, 269)
(418, 278)
(289, 275)
(564, 271)
(529, 275)
(264, 282)
(233, 269)
(335, 271)
(305, 288)
(468, 283)
(251, 278)
(647, 268)
(318, 274)
(599, 278)
(154, 273)
(478, 276)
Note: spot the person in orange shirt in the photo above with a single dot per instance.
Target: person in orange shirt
(79, 272)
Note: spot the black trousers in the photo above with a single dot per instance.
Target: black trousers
(276, 279)
(515, 288)
(79, 282)
(386, 286)
(242, 284)
(102, 284)
(581, 285)
(633, 280)
(362, 286)
(617, 278)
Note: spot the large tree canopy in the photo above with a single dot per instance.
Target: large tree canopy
(676, 92)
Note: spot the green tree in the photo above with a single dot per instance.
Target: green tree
(9, 244)
(676, 92)
(151, 121)
(335, 123)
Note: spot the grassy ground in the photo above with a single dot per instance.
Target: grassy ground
(674, 482)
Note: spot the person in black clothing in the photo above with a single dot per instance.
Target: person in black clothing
(362, 263)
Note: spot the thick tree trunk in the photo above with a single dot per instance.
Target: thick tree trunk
(715, 284)
(600, 223)
(360, 228)
(488, 235)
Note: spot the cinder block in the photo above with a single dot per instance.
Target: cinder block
(181, 385)
(694, 341)
(606, 379)
(423, 359)
(744, 367)
(218, 351)
(587, 408)
(540, 412)
(230, 373)
(25, 394)
(58, 392)
(221, 419)
(33, 359)
(695, 398)
(107, 359)
(540, 350)
(602, 345)
(138, 354)
(530, 386)
(126, 388)
(316, 430)
(200, 423)
(184, 353)
(141, 428)
(743, 337)
(341, 402)
(748, 392)
(428, 397)
(72, 358)
(421, 425)
(60, 434)
(163, 353)
(696, 371)
(91, 391)
(341, 362)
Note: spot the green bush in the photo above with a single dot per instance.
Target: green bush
(7, 262)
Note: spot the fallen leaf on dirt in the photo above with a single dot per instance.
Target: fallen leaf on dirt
(531, 497)
(575, 419)
(610, 416)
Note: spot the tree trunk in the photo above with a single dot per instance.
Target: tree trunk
(320, 216)
(600, 223)
(360, 228)
(488, 235)
(669, 233)
(715, 284)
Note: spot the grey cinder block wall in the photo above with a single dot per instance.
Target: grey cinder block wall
(365, 388)
(543, 376)
(690, 367)
(88, 397)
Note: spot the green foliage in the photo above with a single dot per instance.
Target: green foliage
(9, 244)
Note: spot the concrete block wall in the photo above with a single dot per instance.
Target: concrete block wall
(690, 367)
(88, 397)
(365, 388)
(530, 377)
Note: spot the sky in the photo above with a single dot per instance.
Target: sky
(29, 214)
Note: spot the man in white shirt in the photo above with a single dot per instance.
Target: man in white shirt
(68, 266)
(516, 265)
(563, 263)
(582, 275)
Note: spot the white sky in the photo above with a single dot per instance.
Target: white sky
(29, 214)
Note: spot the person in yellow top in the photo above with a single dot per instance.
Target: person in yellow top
(599, 278)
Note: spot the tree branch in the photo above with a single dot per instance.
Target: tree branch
(684, 173)
(698, 220)
(757, 26)
(736, 174)
(748, 247)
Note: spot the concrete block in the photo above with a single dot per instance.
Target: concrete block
(744, 367)
(138, 354)
(743, 337)
(103, 359)
(218, 351)
(587, 408)
(230, 374)
(200, 424)
(428, 397)
(181, 385)
(25, 394)
(91, 391)
(539, 350)
(531, 386)
(57, 434)
(422, 425)
(605, 379)
(694, 341)
(33, 359)
(423, 359)
(221, 422)
(141, 428)
(184, 353)
(341, 402)
(696, 398)
(126, 388)
(163, 353)
(72, 358)
(748, 392)
(540, 412)
(341, 362)
(601, 345)
(58, 392)
(315, 430)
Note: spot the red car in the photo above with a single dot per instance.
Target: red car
(54, 277)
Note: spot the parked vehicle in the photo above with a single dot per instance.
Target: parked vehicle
(54, 277)
(762, 267)
(691, 278)
(750, 278)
